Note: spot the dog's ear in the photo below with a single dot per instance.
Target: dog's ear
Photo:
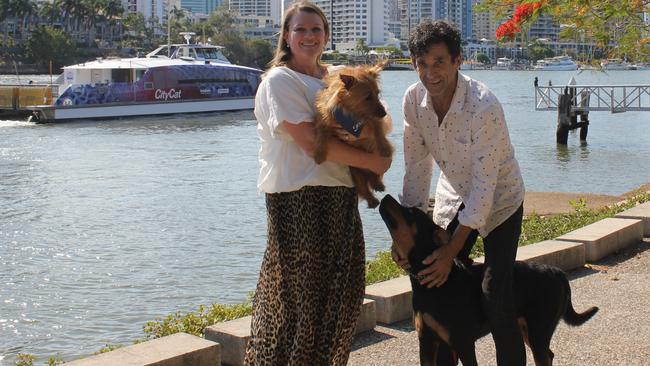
(348, 80)
(379, 66)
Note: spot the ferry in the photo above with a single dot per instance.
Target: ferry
(557, 63)
(175, 78)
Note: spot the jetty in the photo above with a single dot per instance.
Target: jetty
(574, 102)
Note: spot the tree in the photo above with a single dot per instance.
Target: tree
(616, 26)
(482, 58)
(49, 44)
(361, 48)
(538, 51)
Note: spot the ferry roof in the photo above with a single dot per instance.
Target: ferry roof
(140, 63)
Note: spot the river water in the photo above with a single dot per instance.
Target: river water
(105, 225)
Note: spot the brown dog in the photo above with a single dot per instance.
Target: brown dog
(351, 100)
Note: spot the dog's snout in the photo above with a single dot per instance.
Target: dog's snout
(381, 111)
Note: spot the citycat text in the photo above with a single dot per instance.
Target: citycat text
(166, 95)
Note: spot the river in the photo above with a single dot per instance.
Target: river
(105, 225)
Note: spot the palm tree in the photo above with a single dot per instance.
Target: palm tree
(112, 9)
(23, 9)
(50, 12)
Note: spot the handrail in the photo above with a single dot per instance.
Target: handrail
(590, 98)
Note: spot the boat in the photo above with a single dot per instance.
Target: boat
(640, 66)
(176, 78)
(399, 64)
(503, 63)
(557, 63)
(472, 65)
(615, 64)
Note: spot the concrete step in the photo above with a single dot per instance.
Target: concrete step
(639, 212)
(562, 254)
(392, 299)
(234, 335)
(606, 236)
(180, 349)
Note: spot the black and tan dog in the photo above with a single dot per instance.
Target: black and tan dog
(453, 314)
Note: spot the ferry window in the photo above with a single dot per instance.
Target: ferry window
(121, 75)
(139, 73)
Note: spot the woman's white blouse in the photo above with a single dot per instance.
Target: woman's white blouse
(286, 95)
(473, 150)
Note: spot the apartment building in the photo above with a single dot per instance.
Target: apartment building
(356, 19)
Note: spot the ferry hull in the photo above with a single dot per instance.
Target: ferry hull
(61, 113)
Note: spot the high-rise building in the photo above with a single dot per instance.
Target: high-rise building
(263, 11)
(201, 6)
(150, 9)
(356, 19)
(484, 25)
(458, 12)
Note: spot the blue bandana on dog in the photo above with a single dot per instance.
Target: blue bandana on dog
(347, 122)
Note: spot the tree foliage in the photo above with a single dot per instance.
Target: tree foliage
(616, 26)
(49, 44)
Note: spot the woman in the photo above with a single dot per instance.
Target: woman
(311, 282)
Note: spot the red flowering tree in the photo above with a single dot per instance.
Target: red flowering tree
(616, 26)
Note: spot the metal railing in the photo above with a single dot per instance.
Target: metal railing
(589, 98)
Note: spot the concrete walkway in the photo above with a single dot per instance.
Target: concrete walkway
(617, 335)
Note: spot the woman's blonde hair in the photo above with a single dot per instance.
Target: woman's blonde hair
(283, 52)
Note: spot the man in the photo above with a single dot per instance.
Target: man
(457, 122)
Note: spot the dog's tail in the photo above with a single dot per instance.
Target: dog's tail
(570, 316)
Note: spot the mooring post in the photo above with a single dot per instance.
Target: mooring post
(563, 118)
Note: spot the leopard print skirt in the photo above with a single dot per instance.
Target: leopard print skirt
(311, 284)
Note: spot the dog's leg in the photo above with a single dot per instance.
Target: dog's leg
(467, 354)
(375, 182)
(360, 179)
(539, 341)
(320, 143)
(429, 342)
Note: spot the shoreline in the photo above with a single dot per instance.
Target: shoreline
(552, 203)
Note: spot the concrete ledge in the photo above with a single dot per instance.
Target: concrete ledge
(233, 336)
(639, 212)
(562, 254)
(367, 318)
(606, 236)
(180, 349)
(393, 299)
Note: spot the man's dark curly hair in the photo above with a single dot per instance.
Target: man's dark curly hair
(429, 32)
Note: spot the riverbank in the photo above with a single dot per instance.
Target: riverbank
(553, 203)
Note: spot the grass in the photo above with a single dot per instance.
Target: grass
(535, 228)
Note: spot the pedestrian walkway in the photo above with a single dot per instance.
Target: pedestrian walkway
(617, 335)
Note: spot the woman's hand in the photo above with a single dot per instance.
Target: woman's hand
(379, 164)
(343, 135)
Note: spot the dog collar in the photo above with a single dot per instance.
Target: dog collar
(347, 122)
(416, 276)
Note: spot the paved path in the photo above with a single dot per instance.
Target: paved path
(619, 334)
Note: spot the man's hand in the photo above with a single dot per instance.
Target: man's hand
(440, 263)
(442, 259)
(403, 263)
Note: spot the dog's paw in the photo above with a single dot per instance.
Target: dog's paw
(372, 202)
